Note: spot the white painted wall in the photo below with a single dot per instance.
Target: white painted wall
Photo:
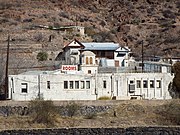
(116, 85)
(56, 91)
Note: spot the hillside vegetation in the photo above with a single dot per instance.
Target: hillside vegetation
(127, 22)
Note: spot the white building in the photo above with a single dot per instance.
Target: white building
(79, 86)
(83, 79)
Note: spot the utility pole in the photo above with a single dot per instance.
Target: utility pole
(7, 64)
(142, 51)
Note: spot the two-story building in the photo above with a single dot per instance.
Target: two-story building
(92, 72)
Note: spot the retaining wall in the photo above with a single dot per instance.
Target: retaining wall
(99, 131)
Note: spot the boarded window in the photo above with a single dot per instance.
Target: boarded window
(138, 84)
(76, 84)
(131, 88)
(24, 87)
(87, 84)
(116, 63)
(48, 84)
(65, 84)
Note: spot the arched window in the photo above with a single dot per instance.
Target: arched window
(91, 60)
(87, 60)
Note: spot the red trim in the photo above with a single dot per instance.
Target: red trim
(81, 45)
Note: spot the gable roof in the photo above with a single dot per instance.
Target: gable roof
(123, 49)
(101, 46)
(74, 44)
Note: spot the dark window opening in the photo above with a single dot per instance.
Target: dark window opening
(145, 84)
(104, 84)
(48, 84)
(65, 84)
(24, 87)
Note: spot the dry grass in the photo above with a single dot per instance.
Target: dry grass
(125, 114)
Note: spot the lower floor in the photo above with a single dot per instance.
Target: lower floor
(119, 86)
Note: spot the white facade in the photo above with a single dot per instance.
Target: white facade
(87, 83)
(80, 86)
(51, 87)
(122, 55)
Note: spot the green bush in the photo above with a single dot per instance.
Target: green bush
(72, 109)
(42, 56)
(43, 111)
(104, 98)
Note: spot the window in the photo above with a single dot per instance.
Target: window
(91, 60)
(65, 84)
(24, 87)
(104, 84)
(145, 84)
(89, 71)
(87, 84)
(151, 83)
(82, 84)
(138, 84)
(76, 84)
(87, 60)
(71, 83)
(158, 83)
(48, 84)
(131, 81)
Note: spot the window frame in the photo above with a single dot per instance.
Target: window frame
(88, 84)
(65, 84)
(104, 84)
(24, 90)
(76, 84)
(48, 85)
(158, 84)
(138, 83)
(145, 84)
(71, 84)
(151, 84)
(82, 85)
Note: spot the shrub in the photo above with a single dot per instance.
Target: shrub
(104, 98)
(72, 109)
(42, 56)
(90, 31)
(38, 37)
(43, 111)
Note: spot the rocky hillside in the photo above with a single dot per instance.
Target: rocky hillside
(128, 22)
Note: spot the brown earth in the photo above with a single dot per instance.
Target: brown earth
(128, 22)
(156, 22)
(123, 114)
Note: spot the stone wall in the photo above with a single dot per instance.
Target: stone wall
(99, 131)
(63, 110)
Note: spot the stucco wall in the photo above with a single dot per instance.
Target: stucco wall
(117, 84)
